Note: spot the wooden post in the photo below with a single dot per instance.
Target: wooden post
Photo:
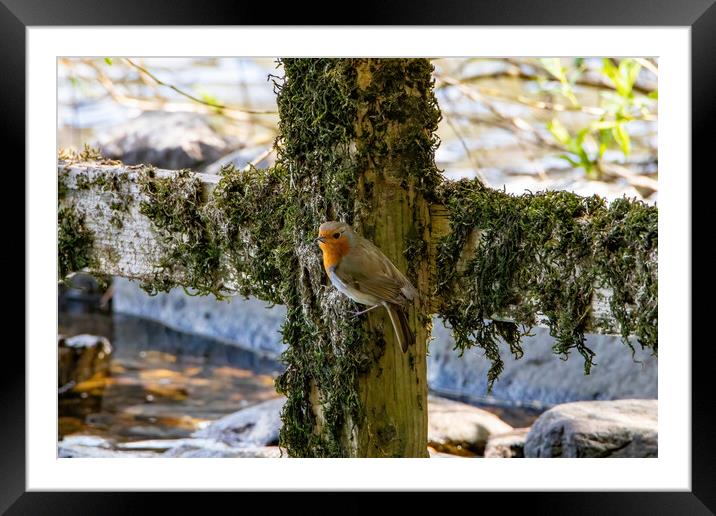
(368, 163)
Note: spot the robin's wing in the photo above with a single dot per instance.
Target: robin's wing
(382, 288)
(368, 270)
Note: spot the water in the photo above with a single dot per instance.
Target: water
(162, 384)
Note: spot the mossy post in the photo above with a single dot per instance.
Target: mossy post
(357, 138)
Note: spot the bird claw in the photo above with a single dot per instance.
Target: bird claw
(361, 312)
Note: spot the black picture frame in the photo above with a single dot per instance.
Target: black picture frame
(699, 15)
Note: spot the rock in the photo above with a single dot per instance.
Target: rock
(198, 448)
(257, 425)
(83, 293)
(619, 428)
(434, 454)
(80, 358)
(166, 140)
(508, 445)
(201, 449)
(540, 378)
(85, 341)
(92, 446)
(241, 158)
(155, 445)
(69, 425)
(246, 323)
(461, 429)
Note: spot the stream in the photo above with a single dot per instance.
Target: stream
(162, 384)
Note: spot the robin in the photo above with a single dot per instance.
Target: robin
(359, 270)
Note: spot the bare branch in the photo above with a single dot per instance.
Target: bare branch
(192, 97)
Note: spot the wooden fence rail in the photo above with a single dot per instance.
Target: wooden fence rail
(126, 244)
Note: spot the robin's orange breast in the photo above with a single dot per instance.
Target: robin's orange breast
(333, 252)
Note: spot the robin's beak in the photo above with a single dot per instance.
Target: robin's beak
(320, 239)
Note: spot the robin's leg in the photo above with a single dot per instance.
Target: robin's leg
(356, 314)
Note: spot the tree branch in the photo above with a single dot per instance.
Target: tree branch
(191, 97)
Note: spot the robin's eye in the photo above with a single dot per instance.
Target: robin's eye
(336, 235)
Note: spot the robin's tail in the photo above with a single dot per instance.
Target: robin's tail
(400, 325)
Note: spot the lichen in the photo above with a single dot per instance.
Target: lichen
(120, 198)
(540, 255)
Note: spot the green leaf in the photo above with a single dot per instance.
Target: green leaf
(621, 136)
(584, 160)
(210, 99)
(581, 135)
(554, 66)
(571, 160)
(108, 60)
(624, 76)
(609, 69)
(629, 70)
(559, 132)
(614, 74)
(654, 94)
(605, 136)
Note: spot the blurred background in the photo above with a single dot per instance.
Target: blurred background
(150, 376)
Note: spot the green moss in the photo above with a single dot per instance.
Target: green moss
(176, 207)
(626, 245)
(120, 200)
(62, 187)
(236, 231)
(247, 215)
(74, 241)
(416, 250)
(116, 221)
(544, 253)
